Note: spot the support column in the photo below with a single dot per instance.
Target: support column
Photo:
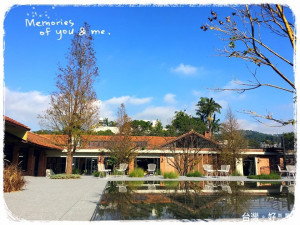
(239, 166)
(30, 162)
(15, 158)
(201, 170)
(162, 163)
(42, 164)
(100, 161)
(131, 165)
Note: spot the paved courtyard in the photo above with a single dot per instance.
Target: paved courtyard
(69, 200)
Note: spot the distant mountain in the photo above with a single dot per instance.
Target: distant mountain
(261, 140)
(250, 134)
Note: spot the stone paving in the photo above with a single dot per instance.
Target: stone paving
(70, 200)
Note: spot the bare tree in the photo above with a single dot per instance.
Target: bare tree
(185, 151)
(73, 108)
(121, 145)
(244, 32)
(233, 141)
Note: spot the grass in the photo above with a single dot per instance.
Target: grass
(236, 173)
(12, 178)
(97, 174)
(116, 173)
(135, 183)
(76, 171)
(171, 184)
(158, 172)
(271, 176)
(170, 175)
(137, 172)
(65, 176)
(194, 174)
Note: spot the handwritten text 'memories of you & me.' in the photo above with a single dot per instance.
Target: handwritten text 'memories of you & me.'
(66, 25)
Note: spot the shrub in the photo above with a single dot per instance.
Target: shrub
(135, 183)
(137, 172)
(76, 171)
(194, 174)
(171, 184)
(12, 178)
(158, 172)
(271, 176)
(116, 173)
(236, 173)
(65, 176)
(96, 174)
(170, 175)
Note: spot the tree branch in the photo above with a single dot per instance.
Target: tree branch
(269, 117)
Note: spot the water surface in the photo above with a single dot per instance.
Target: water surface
(195, 200)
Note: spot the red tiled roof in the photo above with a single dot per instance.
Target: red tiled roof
(189, 133)
(16, 123)
(41, 141)
(152, 141)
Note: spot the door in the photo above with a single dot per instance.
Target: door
(249, 166)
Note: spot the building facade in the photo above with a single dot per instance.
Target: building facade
(29, 150)
(36, 153)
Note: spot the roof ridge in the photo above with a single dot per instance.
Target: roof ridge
(188, 133)
(16, 122)
(47, 142)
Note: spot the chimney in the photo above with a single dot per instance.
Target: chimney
(207, 134)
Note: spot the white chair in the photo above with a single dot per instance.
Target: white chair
(291, 170)
(49, 173)
(122, 187)
(209, 187)
(101, 169)
(208, 169)
(281, 171)
(226, 188)
(151, 187)
(122, 168)
(224, 170)
(151, 169)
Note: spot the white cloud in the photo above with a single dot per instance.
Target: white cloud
(185, 69)
(128, 99)
(107, 111)
(162, 113)
(170, 98)
(109, 108)
(139, 101)
(25, 106)
(117, 101)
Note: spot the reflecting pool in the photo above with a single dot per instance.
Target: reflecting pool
(191, 200)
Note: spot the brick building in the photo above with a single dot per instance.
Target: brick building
(27, 149)
(36, 153)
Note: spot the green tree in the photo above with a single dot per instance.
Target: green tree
(112, 123)
(73, 108)
(206, 110)
(105, 122)
(157, 130)
(141, 128)
(252, 143)
(183, 123)
(289, 140)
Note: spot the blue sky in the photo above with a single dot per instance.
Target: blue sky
(156, 60)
